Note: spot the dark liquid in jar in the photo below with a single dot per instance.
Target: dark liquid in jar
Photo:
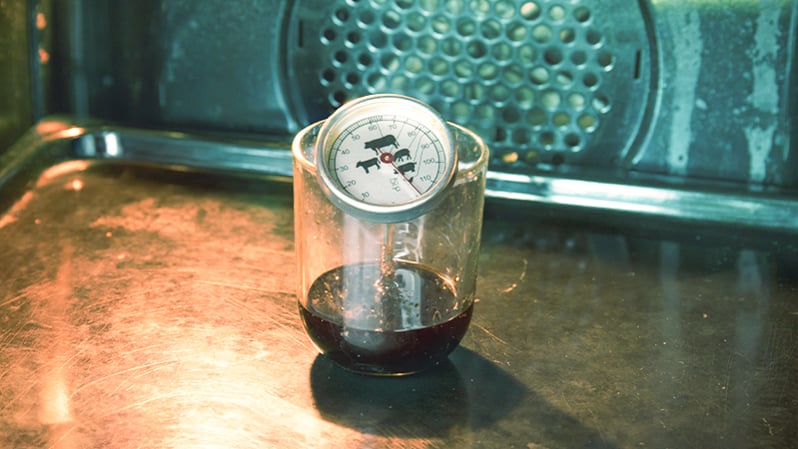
(398, 323)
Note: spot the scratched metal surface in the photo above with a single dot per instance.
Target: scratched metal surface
(147, 308)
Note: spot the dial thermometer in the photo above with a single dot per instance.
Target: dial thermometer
(385, 158)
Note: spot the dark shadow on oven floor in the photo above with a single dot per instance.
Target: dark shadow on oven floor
(466, 393)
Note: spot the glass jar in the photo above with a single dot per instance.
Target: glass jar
(388, 298)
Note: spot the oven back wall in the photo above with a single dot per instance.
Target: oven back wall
(689, 90)
(16, 105)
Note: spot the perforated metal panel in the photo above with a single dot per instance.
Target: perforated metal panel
(545, 82)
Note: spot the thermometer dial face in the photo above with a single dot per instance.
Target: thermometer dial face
(385, 158)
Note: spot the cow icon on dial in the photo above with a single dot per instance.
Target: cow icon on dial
(385, 158)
